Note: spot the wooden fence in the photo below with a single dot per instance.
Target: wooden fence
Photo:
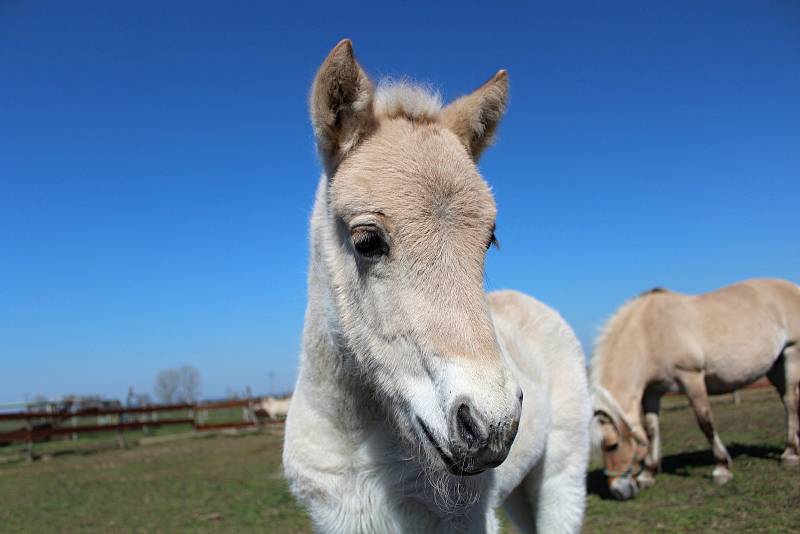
(43, 425)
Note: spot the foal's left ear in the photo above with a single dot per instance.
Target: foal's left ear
(474, 117)
(341, 105)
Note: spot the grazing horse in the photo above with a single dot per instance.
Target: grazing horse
(275, 408)
(410, 390)
(704, 344)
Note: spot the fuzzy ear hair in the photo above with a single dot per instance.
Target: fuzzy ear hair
(340, 105)
(474, 117)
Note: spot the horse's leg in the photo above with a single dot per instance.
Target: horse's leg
(559, 498)
(552, 496)
(785, 376)
(695, 387)
(652, 462)
(521, 503)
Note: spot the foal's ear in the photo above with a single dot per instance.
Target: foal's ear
(474, 117)
(341, 105)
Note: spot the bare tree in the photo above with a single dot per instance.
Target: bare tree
(178, 385)
(189, 383)
(167, 383)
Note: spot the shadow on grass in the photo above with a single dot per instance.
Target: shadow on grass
(596, 484)
(679, 464)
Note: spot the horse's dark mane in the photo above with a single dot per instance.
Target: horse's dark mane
(656, 289)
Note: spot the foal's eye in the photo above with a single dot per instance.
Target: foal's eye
(368, 241)
(612, 447)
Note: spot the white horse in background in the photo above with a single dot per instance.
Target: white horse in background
(411, 383)
(275, 408)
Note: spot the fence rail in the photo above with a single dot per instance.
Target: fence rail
(88, 412)
(36, 434)
(41, 425)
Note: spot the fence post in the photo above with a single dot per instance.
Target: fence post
(29, 443)
(248, 410)
(120, 436)
(144, 417)
(251, 413)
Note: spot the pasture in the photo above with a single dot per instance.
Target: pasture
(233, 483)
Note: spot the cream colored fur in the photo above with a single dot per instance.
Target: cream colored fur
(393, 341)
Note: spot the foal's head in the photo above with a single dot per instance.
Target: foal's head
(409, 221)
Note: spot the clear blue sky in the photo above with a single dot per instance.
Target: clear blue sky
(157, 167)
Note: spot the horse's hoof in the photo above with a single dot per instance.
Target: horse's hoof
(645, 480)
(721, 475)
(790, 460)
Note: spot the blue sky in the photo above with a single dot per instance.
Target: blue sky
(157, 167)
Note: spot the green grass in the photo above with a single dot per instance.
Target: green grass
(234, 484)
(763, 497)
(214, 484)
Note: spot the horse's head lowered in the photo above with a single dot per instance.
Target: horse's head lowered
(409, 220)
(624, 446)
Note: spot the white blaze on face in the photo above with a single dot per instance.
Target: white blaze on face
(489, 391)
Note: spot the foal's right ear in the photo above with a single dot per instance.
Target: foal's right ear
(474, 117)
(341, 105)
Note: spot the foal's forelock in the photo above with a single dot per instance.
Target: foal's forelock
(405, 99)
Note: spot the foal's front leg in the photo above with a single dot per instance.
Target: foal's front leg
(695, 388)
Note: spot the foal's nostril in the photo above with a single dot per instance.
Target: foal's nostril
(468, 429)
(520, 395)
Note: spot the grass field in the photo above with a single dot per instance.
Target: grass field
(233, 483)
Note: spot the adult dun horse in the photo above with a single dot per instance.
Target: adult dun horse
(705, 344)
(411, 381)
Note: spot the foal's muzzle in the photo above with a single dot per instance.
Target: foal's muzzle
(476, 442)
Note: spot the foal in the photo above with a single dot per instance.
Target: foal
(410, 390)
